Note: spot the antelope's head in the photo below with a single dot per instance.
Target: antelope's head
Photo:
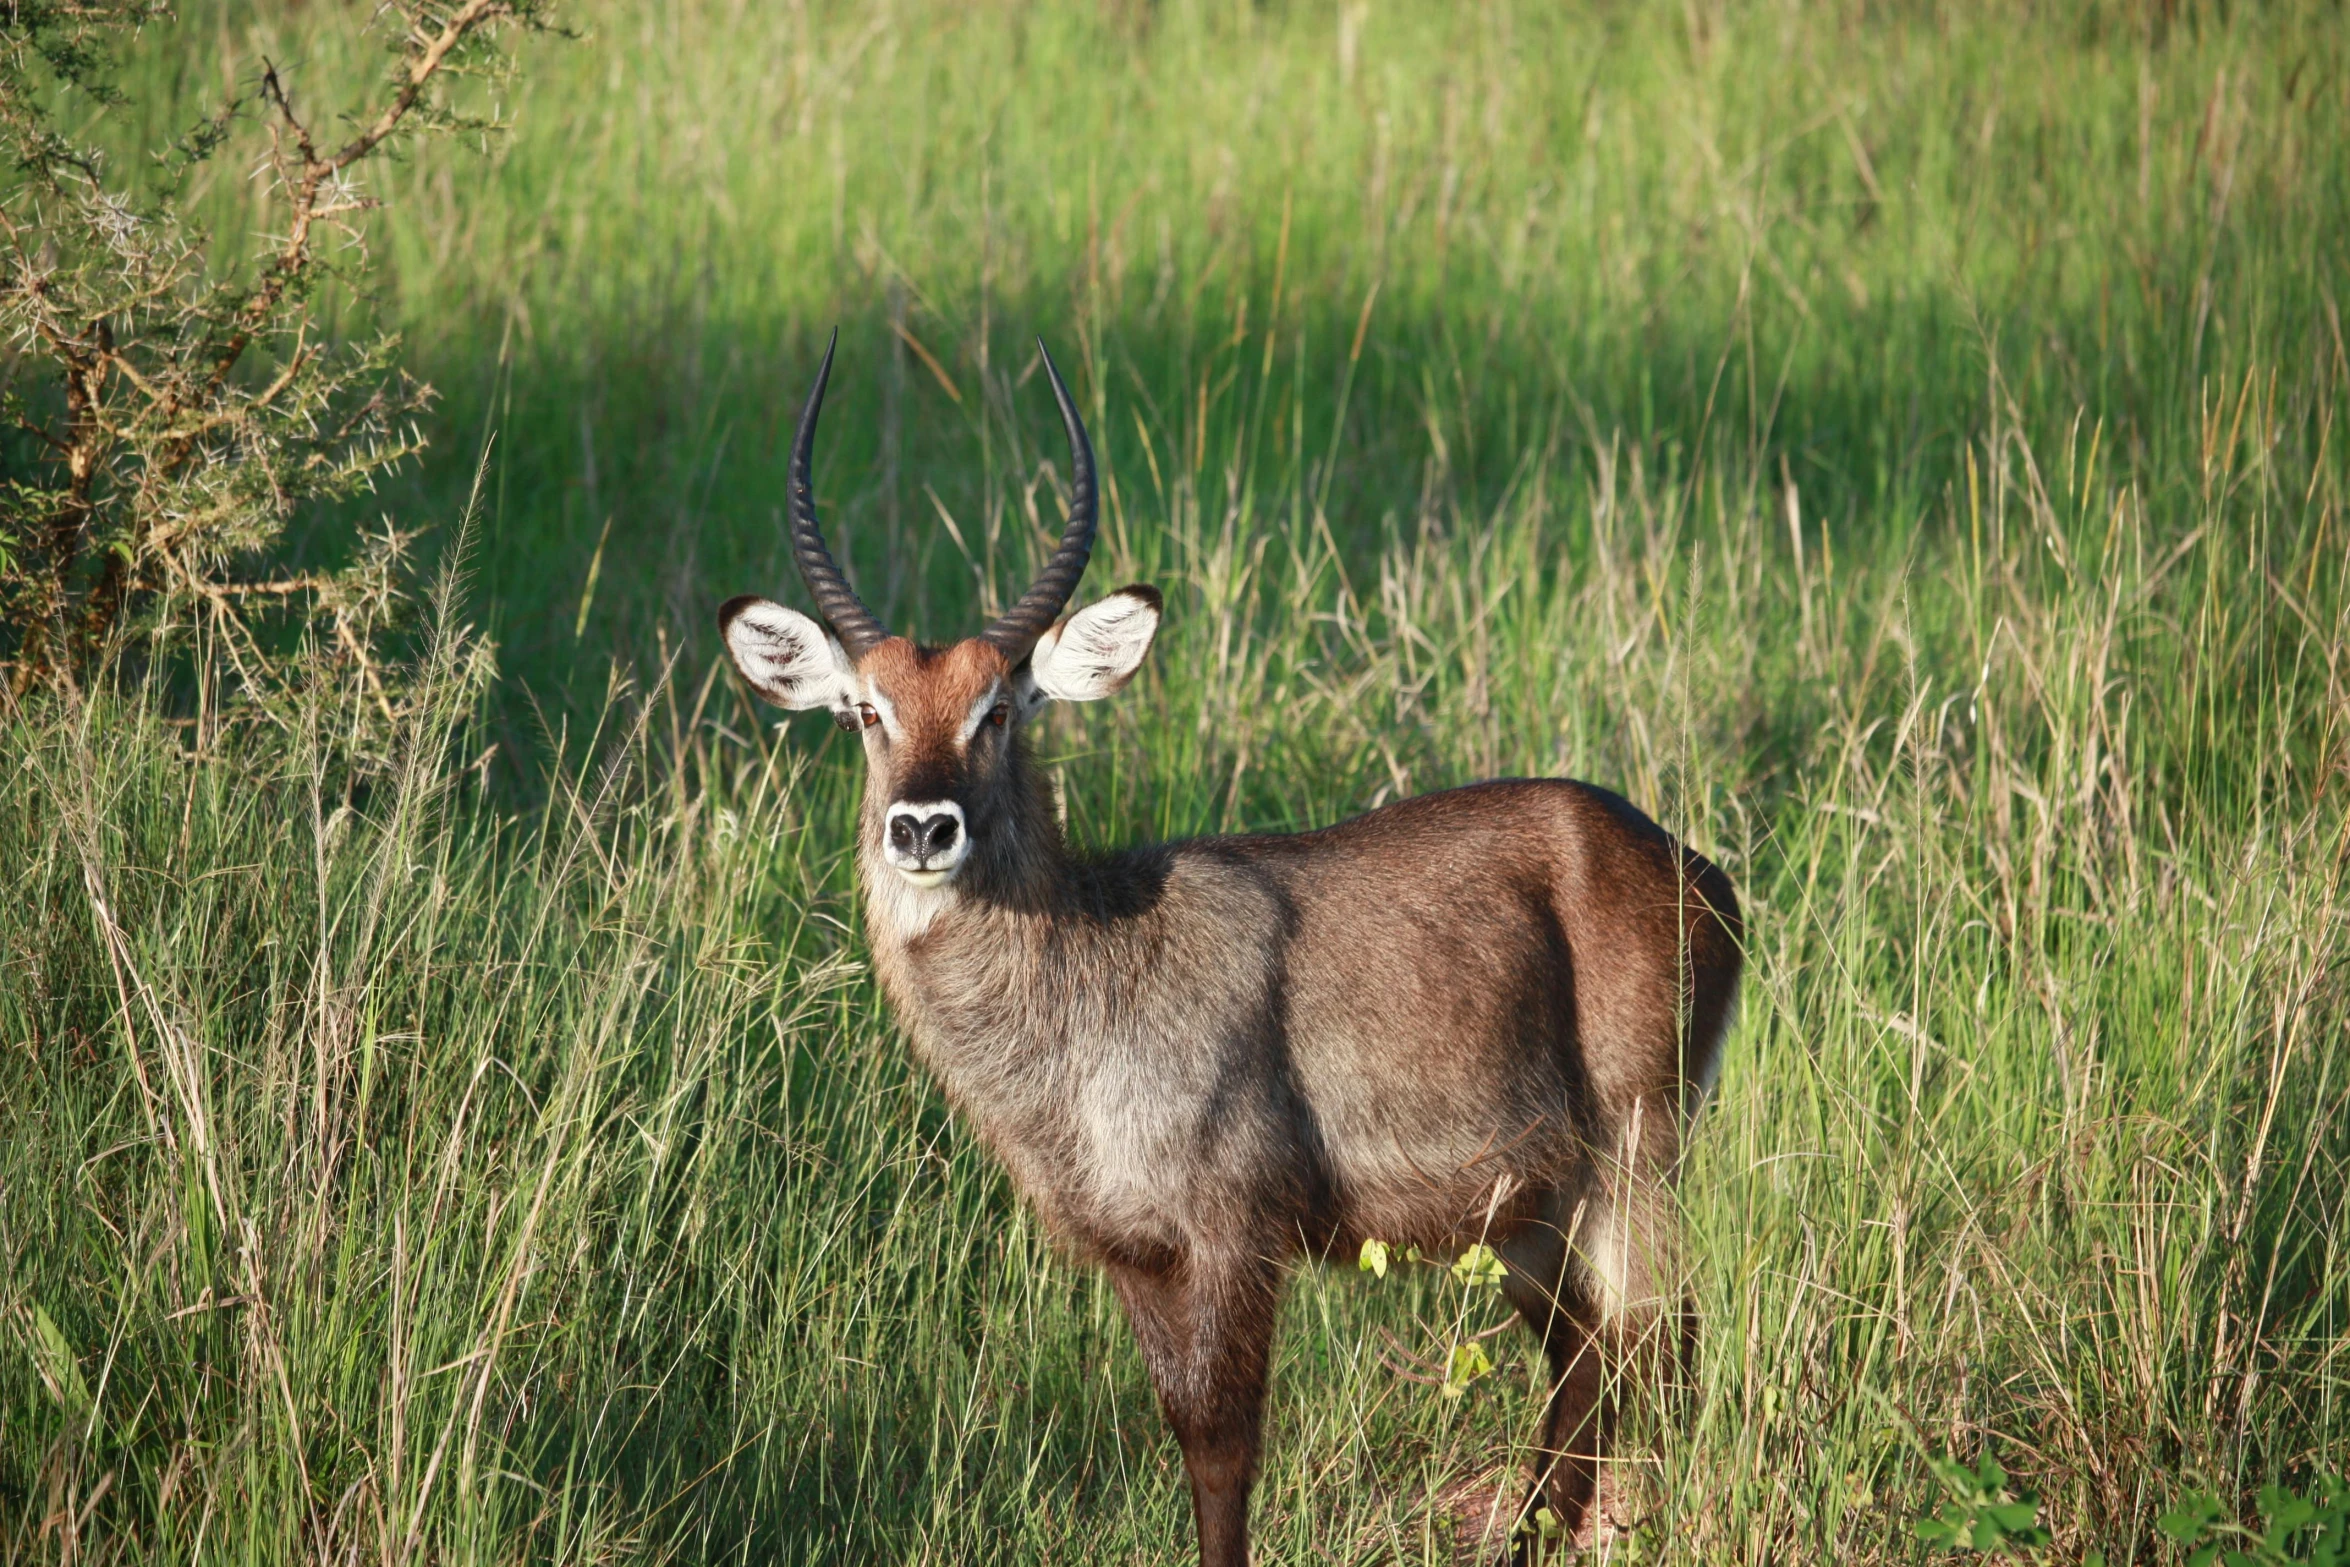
(948, 776)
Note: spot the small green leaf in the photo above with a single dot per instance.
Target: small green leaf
(1541, 1523)
(1479, 1268)
(1374, 1258)
(1939, 1530)
(1464, 1365)
(2015, 1517)
(2285, 1513)
(2196, 1512)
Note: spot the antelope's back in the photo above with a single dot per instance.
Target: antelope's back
(1489, 981)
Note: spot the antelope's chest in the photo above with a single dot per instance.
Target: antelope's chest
(1128, 1100)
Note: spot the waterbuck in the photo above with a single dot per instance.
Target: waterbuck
(1484, 1015)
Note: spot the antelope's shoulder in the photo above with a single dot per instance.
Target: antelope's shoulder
(1181, 891)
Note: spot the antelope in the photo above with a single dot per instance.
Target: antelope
(1482, 1015)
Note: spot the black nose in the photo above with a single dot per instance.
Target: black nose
(923, 837)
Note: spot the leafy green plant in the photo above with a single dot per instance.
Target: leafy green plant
(2297, 1529)
(1983, 1513)
(1466, 1361)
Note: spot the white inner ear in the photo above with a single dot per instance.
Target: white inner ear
(788, 658)
(1094, 651)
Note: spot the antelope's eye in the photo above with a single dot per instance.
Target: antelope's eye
(859, 717)
(1000, 714)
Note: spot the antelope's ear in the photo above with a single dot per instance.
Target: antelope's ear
(787, 657)
(1096, 650)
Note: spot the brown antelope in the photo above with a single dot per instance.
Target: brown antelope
(1481, 1015)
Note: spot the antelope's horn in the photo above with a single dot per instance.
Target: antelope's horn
(856, 626)
(1019, 627)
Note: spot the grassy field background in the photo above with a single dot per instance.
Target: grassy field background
(1896, 445)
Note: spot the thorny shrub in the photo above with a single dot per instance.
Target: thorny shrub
(167, 405)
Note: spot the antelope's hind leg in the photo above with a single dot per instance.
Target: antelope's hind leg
(1205, 1328)
(1551, 1294)
(1585, 1280)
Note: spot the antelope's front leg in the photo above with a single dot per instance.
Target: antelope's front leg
(1205, 1327)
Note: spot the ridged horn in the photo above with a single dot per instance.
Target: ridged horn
(857, 627)
(1019, 627)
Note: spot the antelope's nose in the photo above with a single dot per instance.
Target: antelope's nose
(927, 840)
(924, 837)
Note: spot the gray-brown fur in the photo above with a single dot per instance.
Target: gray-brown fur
(1486, 1014)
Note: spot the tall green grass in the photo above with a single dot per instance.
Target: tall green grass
(1896, 447)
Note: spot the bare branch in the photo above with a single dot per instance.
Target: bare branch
(423, 65)
(426, 59)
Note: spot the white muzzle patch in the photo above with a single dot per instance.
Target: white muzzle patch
(925, 841)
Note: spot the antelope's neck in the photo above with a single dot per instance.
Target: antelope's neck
(1003, 902)
(969, 974)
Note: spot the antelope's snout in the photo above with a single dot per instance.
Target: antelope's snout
(926, 841)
